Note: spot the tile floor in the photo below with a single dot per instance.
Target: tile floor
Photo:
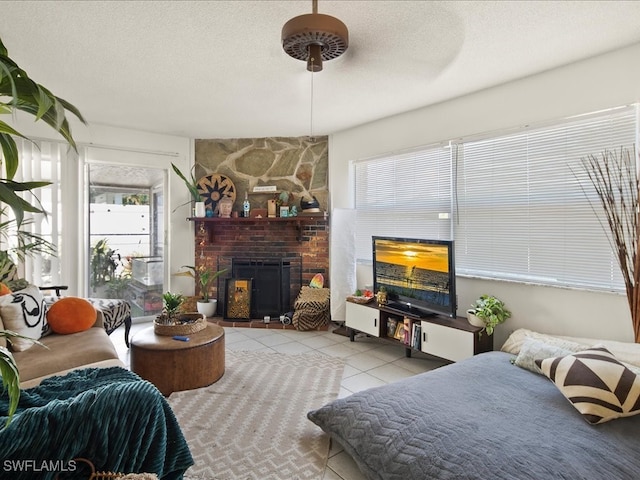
(368, 361)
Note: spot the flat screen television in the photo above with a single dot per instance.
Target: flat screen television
(418, 275)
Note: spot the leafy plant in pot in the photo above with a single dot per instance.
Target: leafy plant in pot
(192, 185)
(487, 312)
(205, 277)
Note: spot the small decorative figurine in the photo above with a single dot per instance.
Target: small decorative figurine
(381, 297)
(224, 207)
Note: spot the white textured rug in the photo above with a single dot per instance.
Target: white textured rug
(252, 423)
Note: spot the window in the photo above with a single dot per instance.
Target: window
(522, 208)
(407, 194)
(42, 161)
(527, 210)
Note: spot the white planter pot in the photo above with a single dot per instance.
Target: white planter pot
(199, 210)
(208, 309)
(475, 321)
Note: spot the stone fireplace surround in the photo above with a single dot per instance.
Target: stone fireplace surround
(298, 165)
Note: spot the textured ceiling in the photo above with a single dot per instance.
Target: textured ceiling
(215, 69)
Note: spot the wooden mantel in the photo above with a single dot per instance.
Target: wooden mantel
(211, 223)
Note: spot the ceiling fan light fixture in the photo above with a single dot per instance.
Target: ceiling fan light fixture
(314, 38)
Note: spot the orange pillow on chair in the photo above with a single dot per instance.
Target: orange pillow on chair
(4, 290)
(71, 315)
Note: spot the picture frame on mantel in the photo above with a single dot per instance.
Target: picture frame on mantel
(238, 298)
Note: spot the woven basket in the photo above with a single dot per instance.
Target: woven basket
(196, 322)
(361, 300)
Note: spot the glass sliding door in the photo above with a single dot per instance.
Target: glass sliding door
(126, 235)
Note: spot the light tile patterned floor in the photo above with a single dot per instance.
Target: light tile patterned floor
(368, 361)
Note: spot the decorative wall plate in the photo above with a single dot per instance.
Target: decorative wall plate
(215, 186)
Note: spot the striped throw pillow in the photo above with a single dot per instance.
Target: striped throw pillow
(596, 383)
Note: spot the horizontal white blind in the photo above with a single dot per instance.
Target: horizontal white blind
(41, 161)
(403, 195)
(527, 210)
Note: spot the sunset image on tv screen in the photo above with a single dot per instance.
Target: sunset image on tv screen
(423, 257)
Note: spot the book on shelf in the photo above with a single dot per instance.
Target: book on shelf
(416, 336)
(399, 333)
(392, 323)
(407, 331)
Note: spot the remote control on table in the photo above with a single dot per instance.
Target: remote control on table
(182, 338)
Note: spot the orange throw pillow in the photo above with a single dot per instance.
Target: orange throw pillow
(4, 290)
(71, 315)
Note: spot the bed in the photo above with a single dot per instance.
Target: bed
(482, 418)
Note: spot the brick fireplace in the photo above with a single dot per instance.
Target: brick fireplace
(300, 242)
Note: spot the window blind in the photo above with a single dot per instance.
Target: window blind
(403, 195)
(527, 210)
(42, 160)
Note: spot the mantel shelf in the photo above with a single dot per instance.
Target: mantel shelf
(298, 221)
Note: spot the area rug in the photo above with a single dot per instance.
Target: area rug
(252, 423)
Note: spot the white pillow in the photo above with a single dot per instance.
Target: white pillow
(24, 312)
(514, 343)
(533, 349)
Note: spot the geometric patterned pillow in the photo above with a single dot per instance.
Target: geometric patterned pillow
(596, 383)
(24, 312)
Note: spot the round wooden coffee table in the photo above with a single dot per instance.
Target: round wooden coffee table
(173, 365)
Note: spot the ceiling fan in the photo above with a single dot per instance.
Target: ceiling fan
(314, 38)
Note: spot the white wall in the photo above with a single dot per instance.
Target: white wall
(602, 82)
(117, 145)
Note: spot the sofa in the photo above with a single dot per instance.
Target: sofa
(25, 312)
(69, 409)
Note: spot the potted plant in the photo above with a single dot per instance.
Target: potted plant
(205, 277)
(19, 92)
(104, 263)
(192, 185)
(171, 305)
(487, 312)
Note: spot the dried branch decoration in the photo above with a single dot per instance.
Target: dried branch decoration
(614, 176)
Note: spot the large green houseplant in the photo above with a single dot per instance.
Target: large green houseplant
(18, 92)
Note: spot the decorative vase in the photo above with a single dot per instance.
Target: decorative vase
(199, 210)
(474, 320)
(208, 309)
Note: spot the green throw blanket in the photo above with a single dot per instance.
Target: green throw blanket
(109, 416)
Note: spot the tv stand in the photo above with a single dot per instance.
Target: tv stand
(410, 310)
(444, 337)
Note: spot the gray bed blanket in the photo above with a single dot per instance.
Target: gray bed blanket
(482, 418)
